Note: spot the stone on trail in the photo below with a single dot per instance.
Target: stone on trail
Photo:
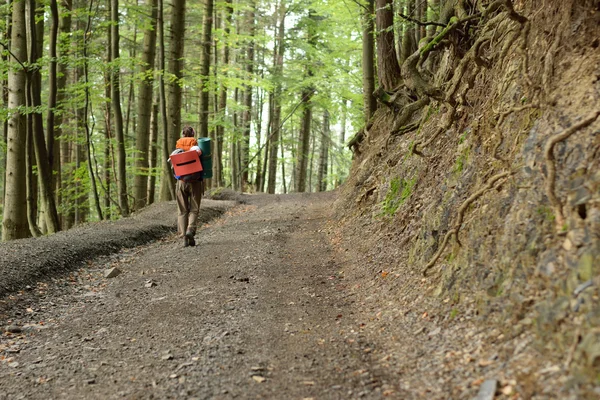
(150, 283)
(112, 272)
(487, 390)
(13, 329)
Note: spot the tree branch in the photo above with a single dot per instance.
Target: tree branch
(421, 23)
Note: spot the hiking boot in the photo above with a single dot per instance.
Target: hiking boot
(186, 241)
(190, 239)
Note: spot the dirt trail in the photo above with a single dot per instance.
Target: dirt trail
(256, 310)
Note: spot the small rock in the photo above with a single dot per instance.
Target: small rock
(435, 332)
(259, 379)
(112, 272)
(90, 381)
(167, 357)
(13, 329)
(14, 364)
(487, 390)
(150, 283)
(567, 245)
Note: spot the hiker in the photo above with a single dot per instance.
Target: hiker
(187, 140)
(188, 191)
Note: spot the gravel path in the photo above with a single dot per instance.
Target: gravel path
(257, 310)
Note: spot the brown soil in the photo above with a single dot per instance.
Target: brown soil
(258, 309)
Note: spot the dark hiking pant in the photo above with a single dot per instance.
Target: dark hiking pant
(189, 195)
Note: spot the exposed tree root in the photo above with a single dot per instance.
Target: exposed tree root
(449, 120)
(407, 113)
(460, 216)
(551, 167)
(501, 120)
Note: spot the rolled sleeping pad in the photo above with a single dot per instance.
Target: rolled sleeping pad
(206, 157)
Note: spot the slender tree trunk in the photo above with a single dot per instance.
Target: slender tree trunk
(86, 112)
(283, 181)
(62, 152)
(41, 155)
(5, 37)
(144, 113)
(304, 139)
(235, 151)
(305, 130)
(313, 147)
(118, 114)
(205, 66)
(31, 186)
(276, 117)
(167, 188)
(222, 107)
(435, 14)
(247, 114)
(408, 40)
(152, 159)
(324, 154)
(341, 141)
(388, 69)
(14, 222)
(176, 66)
(131, 91)
(52, 87)
(368, 59)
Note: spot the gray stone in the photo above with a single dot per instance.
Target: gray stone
(111, 273)
(487, 390)
(13, 329)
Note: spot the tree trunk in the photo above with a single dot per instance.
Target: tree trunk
(247, 114)
(368, 67)
(388, 69)
(144, 113)
(304, 139)
(222, 106)
(52, 87)
(14, 222)
(302, 155)
(176, 49)
(118, 114)
(167, 183)
(31, 186)
(275, 135)
(408, 40)
(44, 172)
(205, 66)
(4, 58)
(235, 151)
(324, 154)
(62, 153)
(152, 159)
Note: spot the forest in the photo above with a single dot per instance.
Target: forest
(96, 93)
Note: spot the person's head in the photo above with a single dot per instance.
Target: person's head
(188, 131)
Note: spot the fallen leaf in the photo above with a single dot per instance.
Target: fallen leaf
(384, 274)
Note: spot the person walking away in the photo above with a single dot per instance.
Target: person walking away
(188, 192)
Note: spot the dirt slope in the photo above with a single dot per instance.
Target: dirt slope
(495, 222)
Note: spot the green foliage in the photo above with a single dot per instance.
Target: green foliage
(453, 313)
(546, 213)
(399, 190)
(461, 161)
